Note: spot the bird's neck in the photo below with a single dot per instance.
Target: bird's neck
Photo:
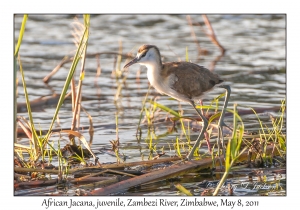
(154, 70)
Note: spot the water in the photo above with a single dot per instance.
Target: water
(254, 65)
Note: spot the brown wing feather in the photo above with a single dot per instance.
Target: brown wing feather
(192, 80)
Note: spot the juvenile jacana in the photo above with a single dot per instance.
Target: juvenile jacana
(184, 81)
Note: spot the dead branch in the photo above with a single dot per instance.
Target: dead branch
(174, 170)
(211, 34)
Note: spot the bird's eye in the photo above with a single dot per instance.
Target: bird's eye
(143, 55)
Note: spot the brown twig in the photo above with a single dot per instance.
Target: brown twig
(98, 69)
(69, 60)
(64, 61)
(174, 170)
(211, 34)
(190, 22)
(215, 61)
(26, 130)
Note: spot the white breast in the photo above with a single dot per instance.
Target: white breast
(153, 74)
(163, 85)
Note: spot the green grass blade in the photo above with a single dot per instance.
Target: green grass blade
(22, 30)
(75, 120)
(34, 134)
(260, 123)
(76, 59)
(178, 147)
(228, 156)
(167, 109)
(186, 54)
(234, 135)
(184, 131)
(86, 19)
(183, 189)
(239, 141)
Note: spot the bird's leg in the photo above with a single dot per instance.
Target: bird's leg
(221, 119)
(205, 133)
(205, 124)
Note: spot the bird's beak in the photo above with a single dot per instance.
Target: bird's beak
(135, 60)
